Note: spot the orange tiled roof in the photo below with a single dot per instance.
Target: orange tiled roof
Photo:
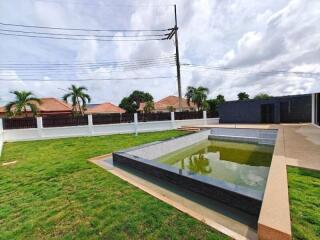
(105, 108)
(48, 105)
(53, 105)
(163, 104)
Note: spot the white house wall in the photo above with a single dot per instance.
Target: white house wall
(95, 130)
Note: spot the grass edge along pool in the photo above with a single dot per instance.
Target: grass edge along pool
(141, 158)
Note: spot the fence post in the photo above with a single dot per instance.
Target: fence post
(39, 126)
(205, 117)
(173, 121)
(90, 121)
(39, 123)
(135, 117)
(1, 125)
(1, 136)
(90, 124)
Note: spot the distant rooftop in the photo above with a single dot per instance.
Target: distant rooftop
(104, 108)
(49, 105)
(170, 101)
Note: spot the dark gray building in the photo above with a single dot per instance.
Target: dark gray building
(316, 108)
(285, 109)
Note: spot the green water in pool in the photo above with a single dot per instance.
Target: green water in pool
(244, 164)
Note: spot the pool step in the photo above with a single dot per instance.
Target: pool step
(189, 129)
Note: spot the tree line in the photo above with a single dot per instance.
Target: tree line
(25, 100)
(79, 98)
(196, 95)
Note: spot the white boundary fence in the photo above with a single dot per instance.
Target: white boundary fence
(1, 136)
(39, 133)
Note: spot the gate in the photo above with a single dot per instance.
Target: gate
(267, 113)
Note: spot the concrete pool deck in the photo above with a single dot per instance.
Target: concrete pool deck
(301, 142)
(296, 145)
(229, 221)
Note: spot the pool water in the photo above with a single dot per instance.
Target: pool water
(244, 164)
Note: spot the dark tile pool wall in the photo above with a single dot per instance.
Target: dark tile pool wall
(192, 183)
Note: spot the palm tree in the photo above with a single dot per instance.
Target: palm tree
(23, 101)
(148, 107)
(199, 164)
(171, 109)
(198, 96)
(78, 97)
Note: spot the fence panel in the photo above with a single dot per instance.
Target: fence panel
(149, 117)
(188, 115)
(112, 118)
(64, 121)
(126, 118)
(212, 114)
(99, 119)
(19, 123)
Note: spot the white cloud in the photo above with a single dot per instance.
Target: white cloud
(247, 35)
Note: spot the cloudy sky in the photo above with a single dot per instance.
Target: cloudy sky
(270, 46)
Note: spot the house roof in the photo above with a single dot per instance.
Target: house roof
(48, 105)
(53, 105)
(166, 102)
(105, 108)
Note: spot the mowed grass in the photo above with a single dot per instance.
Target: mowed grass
(304, 193)
(53, 192)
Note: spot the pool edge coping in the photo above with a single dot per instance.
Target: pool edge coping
(268, 229)
(275, 223)
(100, 162)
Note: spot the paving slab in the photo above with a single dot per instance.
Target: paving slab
(302, 146)
(296, 145)
(301, 142)
(229, 221)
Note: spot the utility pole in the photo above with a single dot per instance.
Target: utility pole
(177, 57)
(174, 31)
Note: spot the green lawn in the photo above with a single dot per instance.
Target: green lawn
(304, 192)
(52, 192)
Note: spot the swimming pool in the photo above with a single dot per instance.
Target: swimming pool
(230, 166)
(244, 164)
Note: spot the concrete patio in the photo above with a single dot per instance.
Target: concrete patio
(299, 139)
(296, 145)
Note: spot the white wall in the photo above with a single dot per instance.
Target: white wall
(1, 142)
(154, 151)
(261, 136)
(1, 136)
(95, 130)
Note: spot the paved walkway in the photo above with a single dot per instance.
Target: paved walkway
(302, 146)
(296, 145)
(301, 142)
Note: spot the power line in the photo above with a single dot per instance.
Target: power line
(56, 72)
(237, 70)
(111, 67)
(87, 67)
(84, 35)
(89, 79)
(85, 29)
(90, 63)
(109, 5)
(96, 39)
